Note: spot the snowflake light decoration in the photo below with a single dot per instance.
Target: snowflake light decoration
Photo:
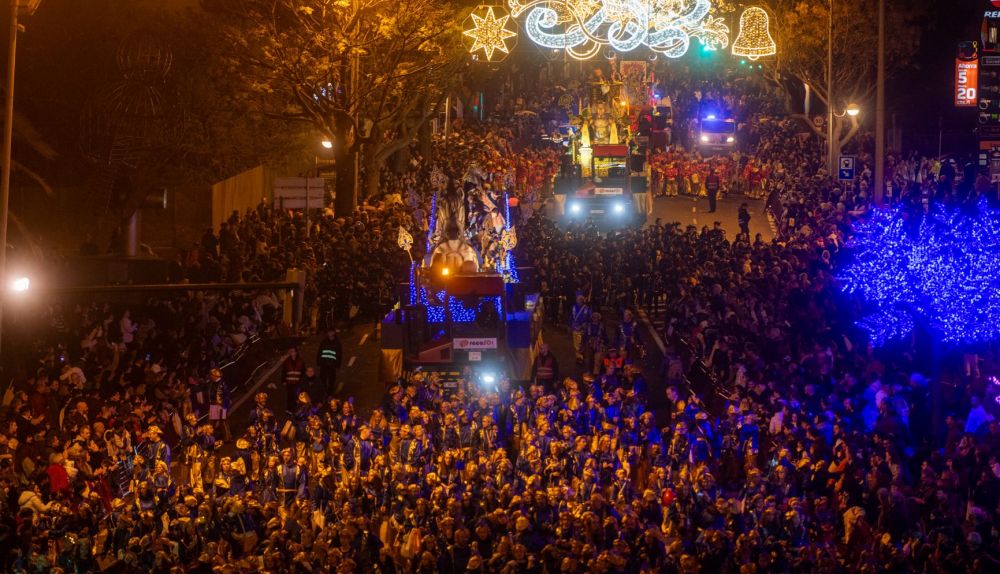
(583, 27)
(489, 33)
(942, 273)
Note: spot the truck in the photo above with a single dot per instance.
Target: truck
(609, 187)
(716, 134)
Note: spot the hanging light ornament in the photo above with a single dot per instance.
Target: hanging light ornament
(583, 27)
(754, 39)
(489, 33)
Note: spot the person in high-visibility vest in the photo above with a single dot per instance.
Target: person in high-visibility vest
(329, 359)
(545, 370)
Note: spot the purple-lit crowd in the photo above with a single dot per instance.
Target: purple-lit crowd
(767, 436)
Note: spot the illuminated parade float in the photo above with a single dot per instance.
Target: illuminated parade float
(464, 307)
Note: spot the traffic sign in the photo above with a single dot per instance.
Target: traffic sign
(846, 170)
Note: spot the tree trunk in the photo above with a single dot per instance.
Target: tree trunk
(400, 161)
(372, 175)
(346, 200)
(426, 146)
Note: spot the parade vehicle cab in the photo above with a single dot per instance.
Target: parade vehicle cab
(604, 175)
(716, 134)
(606, 196)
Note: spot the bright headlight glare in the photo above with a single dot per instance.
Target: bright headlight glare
(704, 139)
(21, 284)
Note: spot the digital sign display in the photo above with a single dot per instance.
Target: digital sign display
(966, 82)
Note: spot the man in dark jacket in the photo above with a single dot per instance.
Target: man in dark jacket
(744, 219)
(712, 185)
(329, 359)
(545, 370)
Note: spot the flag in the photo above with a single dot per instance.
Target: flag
(405, 240)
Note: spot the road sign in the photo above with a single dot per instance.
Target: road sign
(845, 172)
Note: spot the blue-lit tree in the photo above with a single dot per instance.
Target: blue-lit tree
(941, 274)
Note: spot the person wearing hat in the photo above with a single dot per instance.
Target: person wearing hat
(156, 449)
(628, 339)
(595, 341)
(188, 439)
(218, 397)
(579, 318)
(260, 407)
(202, 457)
(292, 480)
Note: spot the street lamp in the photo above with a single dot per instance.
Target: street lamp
(20, 285)
(17, 8)
(852, 111)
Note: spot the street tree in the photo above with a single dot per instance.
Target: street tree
(366, 73)
(938, 273)
(801, 30)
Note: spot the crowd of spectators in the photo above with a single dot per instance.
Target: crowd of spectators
(785, 442)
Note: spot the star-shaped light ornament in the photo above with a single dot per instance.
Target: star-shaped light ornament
(489, 33)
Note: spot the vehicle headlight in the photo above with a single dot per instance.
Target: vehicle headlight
(730, 139)
(619, 208)
(489, 378)
(575, 208)
(704, 139)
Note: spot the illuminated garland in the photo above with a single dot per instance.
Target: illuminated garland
(583, 27)
(508, 267)
(413, 283)
(459, 312)
(433, 220)
(943, 274)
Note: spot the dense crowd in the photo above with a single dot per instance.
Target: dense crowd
(785, 443)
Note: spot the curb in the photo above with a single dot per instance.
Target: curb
(652, 331)
(252, 391)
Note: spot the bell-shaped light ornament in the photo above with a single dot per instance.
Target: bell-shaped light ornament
(754, 39)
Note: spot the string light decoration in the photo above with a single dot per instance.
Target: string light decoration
(432, 220)
(509, 267)
(489, 33)
(583, 27)
(754, 38)
(942, 274)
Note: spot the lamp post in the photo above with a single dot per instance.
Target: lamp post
(879, 182)
(830, 160)
(851, 111)
(17, 8)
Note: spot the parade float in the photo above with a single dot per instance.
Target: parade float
(467, 309)
(604, 176)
